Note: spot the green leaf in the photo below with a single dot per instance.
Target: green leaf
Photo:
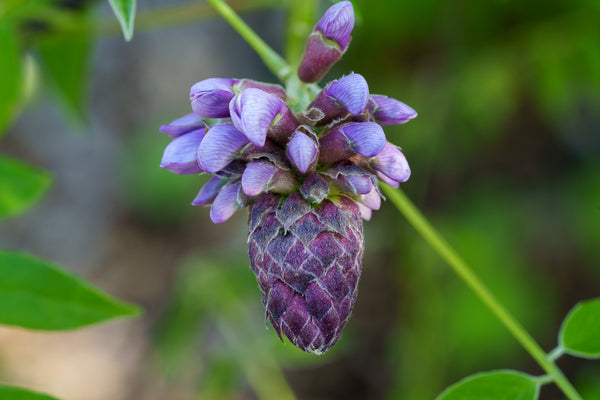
(15, 393)
(580, 332)
(125, 12)
(66, 63)
(10, 74)
(38, 295)
(21, 186)
(494, 385)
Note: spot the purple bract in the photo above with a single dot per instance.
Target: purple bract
(309, 179)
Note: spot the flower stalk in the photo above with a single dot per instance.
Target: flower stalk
(269, 56)
(465, 272)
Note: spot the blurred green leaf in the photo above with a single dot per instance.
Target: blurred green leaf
(588, 384)
(14, 393)
(66, 63)
(36, 294)
(221, 380)
(10, 74)
(21, 186)
(580, 332)
(125, 13)
(495, 385)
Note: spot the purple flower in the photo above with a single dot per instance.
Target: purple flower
(337, 23)
(185, 124)
(229, 199)
(308, 178)
(392, 163)
(364, 138)
(209, 191)
(276, 90)
(219, 147)
(303, 151)
(180, 155)
(261, 176)
(210, 97)
(328, 42)
(348, 95)
(388, 111)
(259, 114)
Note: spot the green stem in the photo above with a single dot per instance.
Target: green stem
(418, 221)
(272, 60)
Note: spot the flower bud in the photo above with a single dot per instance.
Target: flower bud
(210, 97)
(276, 90)
(219, 147)
(209, 191)
(348, 95)
(328, 42)
(182, 125)
(364, 138)
(388, 111)
(392, 163)
(180, 156)
(261, 176)
(258, 114)
(228, 201)
(303, 150)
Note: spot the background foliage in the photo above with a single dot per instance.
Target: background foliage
(505, 157)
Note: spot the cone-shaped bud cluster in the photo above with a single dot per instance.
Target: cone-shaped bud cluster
(309, 178)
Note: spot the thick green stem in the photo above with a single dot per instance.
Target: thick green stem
(272, 60)
(418, 221)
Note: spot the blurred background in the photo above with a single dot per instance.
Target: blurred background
(505, 158)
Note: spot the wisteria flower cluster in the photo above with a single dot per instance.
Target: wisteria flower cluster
(309, 178)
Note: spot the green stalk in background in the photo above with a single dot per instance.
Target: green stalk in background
(271, 59)
(465, 272)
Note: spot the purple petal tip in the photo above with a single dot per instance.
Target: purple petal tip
(337, 23)
(351, 91)
(179, 156)
(303, 151)
(219, 147)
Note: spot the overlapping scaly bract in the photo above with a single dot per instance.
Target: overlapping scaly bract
(309, 178)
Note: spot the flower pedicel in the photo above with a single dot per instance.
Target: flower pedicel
(309, 179)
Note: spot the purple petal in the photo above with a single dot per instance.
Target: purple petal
(302, 151)
(365, 212)
(180, 155)
(225, 204)
(337, 23)
(276, 90)
(361, 183)
(182, 125)
(392, 163)
(219, 147)
(351, 91)
(387, 180)
(388, 111)
(253, 112)
(209, 191)
(210, 97)
(371, 199)
(367, 138)
(256, 177)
